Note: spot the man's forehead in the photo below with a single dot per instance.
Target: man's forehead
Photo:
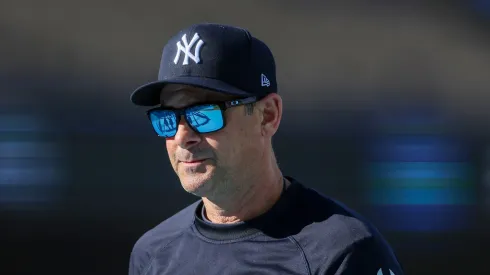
(178, 94)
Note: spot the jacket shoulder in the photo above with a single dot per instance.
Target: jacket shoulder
(157, 238)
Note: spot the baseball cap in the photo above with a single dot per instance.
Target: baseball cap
(218, 57)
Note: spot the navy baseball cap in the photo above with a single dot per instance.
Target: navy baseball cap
(218, 57)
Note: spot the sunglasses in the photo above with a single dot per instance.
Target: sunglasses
(202, 118)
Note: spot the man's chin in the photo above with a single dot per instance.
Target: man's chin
(195, 184)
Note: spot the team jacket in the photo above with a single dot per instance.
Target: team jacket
(304, 233)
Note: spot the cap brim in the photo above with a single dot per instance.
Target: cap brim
(149, 94)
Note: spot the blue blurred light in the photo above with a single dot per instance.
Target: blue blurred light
(422, 196)
(417, 149)
(22, 123)
(31, 170)
(420, 179)
(419, 170)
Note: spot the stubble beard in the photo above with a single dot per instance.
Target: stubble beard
(215, 184)
(199, 181)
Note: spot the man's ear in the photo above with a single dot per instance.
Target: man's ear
(271, 113)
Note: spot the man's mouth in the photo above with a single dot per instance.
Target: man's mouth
(194, 161)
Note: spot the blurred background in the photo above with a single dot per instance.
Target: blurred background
(386, 109)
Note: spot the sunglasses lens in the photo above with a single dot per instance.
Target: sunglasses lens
(205, 118)
(164, 123)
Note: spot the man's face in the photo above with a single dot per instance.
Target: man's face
(207, 164)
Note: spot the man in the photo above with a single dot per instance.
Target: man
(218, 110)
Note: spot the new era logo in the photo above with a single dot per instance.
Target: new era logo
(186, 49)
(264, 81)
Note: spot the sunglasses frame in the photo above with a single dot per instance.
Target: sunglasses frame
(179, 113)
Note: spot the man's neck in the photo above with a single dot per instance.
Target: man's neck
(261, 195)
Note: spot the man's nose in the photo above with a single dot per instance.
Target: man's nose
(186, 137)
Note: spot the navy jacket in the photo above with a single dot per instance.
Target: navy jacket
(304, 233)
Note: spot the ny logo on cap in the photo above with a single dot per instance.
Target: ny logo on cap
(186, 49)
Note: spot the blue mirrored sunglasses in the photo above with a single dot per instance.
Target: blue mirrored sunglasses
(202, 118)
